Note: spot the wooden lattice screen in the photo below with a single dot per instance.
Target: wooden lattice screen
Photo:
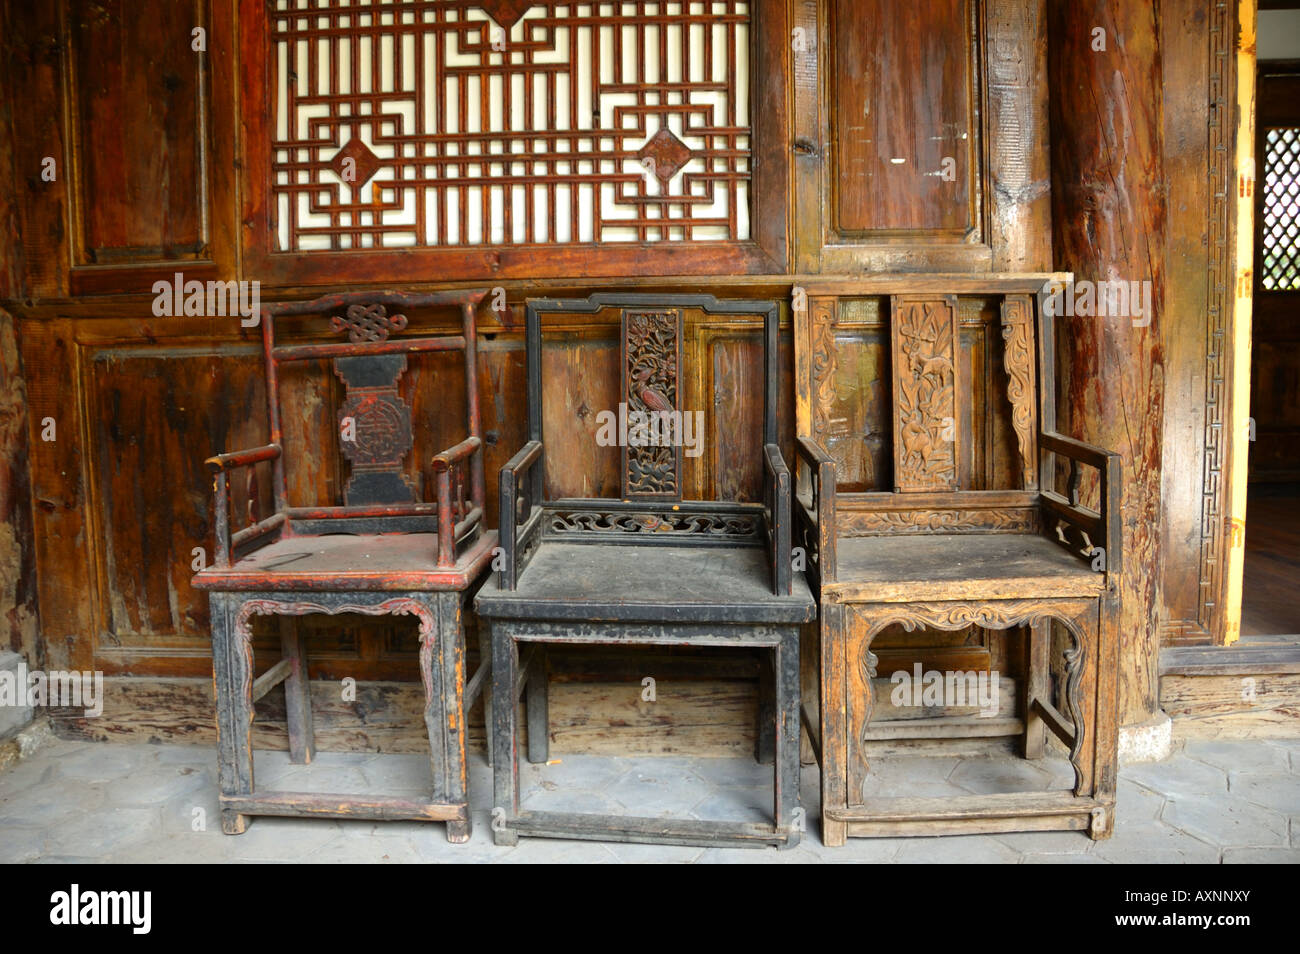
(448, 124)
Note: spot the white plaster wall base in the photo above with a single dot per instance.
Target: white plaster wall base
(1148, 741)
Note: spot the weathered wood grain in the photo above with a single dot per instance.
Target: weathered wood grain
(1105, 107)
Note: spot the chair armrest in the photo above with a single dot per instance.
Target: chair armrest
(219, 466)
(778, 502)
(522, 465)
(819, 514)
(1074, 449)
(242, 458)
(1108, 465)
(443, 462)
(448, 529)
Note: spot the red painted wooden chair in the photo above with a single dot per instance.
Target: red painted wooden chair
(383, 551)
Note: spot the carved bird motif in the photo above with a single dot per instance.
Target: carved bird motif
(651, 397)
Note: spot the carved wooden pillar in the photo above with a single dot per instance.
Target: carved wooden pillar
(1108, 219)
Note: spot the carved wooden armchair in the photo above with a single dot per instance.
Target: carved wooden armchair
(383, 551)
(649, 569)
(928, 533)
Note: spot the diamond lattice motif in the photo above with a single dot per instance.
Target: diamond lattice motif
(506, 13)
(664, 155)
(363, 166)
(1280, 232)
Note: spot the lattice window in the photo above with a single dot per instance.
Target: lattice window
(457, 124)
(1280, 257)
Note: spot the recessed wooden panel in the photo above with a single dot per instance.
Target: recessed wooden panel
(860, 435)
(735, 419)
(580, 379)
(905, 117)
(137, 85)
(154, 415)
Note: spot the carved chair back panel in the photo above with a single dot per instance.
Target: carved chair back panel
(616, 378)
(332, 433)
(360, 409)
(911, 394)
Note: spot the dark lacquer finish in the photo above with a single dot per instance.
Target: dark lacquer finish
(383, 551)
(935, 555)
(649, 569)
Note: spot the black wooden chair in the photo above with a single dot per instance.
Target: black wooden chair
(650, 569)
(382, 552)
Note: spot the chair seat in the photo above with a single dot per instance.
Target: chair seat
(650, 583)
(953, 566)
(347, 561)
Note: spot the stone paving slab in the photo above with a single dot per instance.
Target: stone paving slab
(1233, 802)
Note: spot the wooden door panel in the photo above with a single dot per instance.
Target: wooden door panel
(906, 120)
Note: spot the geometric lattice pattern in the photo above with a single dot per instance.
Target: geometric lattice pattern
(450, 124)
(1280, 229)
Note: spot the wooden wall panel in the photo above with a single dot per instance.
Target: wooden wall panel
(891, 91)
(153, 414)
(19, 630)
(1275, 390)
(904, 92)
(33, 59)
(1275, 338)
(136, 93)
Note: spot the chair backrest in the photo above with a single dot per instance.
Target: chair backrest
(374, 422)
(651, 376)
(930, 403)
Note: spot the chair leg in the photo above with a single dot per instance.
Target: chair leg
(810, 688)
(505, 764)
(485, 659)
(788, 813)
(765, 725)
(1037, 686)
(297, 693)
(442, 657)
(538, 708)
(232, 668)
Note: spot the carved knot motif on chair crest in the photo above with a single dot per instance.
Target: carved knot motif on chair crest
(368, 323)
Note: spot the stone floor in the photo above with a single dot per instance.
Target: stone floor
(80, 802)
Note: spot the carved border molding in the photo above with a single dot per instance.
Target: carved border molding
(1219, 300)
(822, 323)
(866, 523)
(1018, 360)
(595, 521)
